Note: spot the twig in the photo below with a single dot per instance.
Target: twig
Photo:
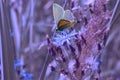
(42, 75)
(114, 11)
(111, 22)
(31, 24)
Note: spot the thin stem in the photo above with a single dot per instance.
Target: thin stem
(31, 24)
(114, 11)
(42, 75)
(64, 5)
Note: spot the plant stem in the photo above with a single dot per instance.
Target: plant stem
(8, 48)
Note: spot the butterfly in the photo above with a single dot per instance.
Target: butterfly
(63, 18)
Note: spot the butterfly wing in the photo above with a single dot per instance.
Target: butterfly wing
(58, 12)
(68, 15)
(63, 24)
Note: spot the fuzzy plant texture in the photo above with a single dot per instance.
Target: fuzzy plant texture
(76, 52)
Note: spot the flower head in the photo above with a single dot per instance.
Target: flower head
(64, 36)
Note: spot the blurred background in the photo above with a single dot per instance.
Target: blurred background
(32, 20)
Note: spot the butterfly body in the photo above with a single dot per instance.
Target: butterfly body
(62, 28)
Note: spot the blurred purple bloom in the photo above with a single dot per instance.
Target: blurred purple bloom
(17, 63)
(26, 76)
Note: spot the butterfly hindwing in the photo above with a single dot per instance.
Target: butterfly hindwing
(68, 15)
(63, 23)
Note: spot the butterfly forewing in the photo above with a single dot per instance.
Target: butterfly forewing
(58, 12)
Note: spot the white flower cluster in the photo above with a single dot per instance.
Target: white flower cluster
(64, 36)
